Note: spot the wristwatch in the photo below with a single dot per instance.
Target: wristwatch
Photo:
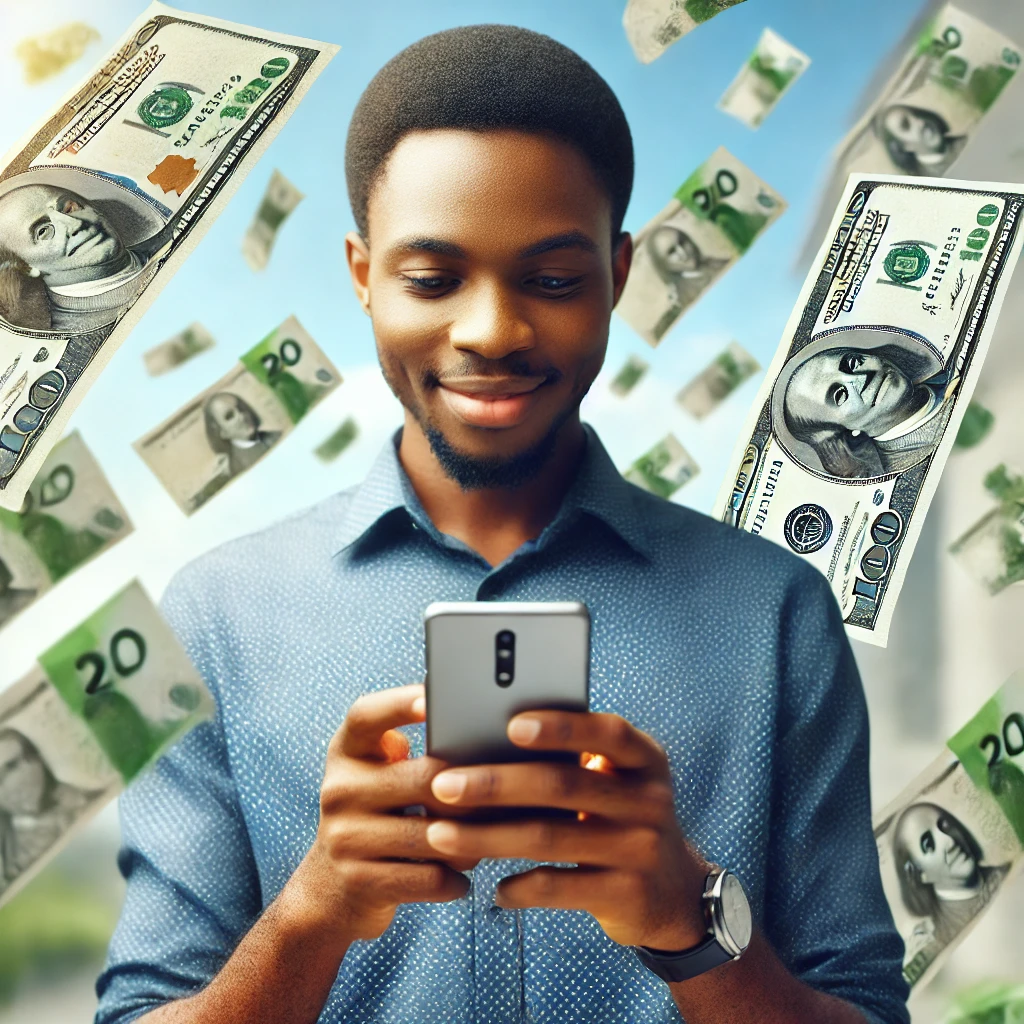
(727, 914)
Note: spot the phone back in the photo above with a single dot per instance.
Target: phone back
(543, 649)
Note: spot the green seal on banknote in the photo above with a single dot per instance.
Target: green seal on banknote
(906, 263)
(165, 106)
(274, 68)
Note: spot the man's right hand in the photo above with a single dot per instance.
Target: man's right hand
(363, 863)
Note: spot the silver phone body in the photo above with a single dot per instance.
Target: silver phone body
(467, 709)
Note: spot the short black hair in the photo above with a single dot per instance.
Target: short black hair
(489, 77)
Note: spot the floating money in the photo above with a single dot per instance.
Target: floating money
(710, 223)
(652, 26)
(725, 374)
(117, 185)
(44, 56)
(178, 349)
(629, 376)
(334, 445)
(842, 450)
(230, 426)
(950, 840)
(107, 701)
(70, 515)
(664, 469)
(278, 202)
(772, 68)
(974, 427)
(992, 550)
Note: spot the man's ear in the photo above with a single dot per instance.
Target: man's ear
(357, 255)
(622, 257)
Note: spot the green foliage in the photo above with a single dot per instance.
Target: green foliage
(976, 424)
(989, 1002)
(1005, 488)
(51, 925)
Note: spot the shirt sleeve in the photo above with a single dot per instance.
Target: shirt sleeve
(826, 914)
(192, 887)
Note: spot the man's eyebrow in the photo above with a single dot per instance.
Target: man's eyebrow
(566, 240)
(437, 246)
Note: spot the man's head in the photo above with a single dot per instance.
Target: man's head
(25, 781)
(673, 252)
(229, 418)
(915, 138)
(936, 857)
(489, 170)
(59, 234)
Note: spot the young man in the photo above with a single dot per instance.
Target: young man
(489, 169)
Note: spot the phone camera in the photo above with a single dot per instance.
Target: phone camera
(504, 657)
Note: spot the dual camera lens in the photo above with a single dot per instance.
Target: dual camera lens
(504, 657)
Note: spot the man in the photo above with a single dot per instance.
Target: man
(918, 141)
(233, 430)
(489, 169)
(91, 277)
(866, 401)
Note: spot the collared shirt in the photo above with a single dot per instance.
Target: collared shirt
(725, 648)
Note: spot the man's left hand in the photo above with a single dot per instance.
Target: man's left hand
(637, 874)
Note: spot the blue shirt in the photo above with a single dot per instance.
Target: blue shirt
(724, 647)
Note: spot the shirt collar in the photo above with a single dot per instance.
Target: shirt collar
(599, 490)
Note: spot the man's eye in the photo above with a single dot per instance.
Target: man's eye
(44, 232)
(839, 395)
(551, 283)
(927, 843)
(428, 284)
(850, 362)
(70, 206)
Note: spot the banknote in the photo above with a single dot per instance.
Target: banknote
(771, 69)
(974, 427)
(69, 516)
(278, 202)
(102, 201)
(663, 469)
(953, 837)
(336, 443)
(716, 382)
(992, 550)
(46, 55)
(629, 376)
(178, 349)
(231, 425)
(652, 26)
(842, 450)
(711, 221)
(103, 704)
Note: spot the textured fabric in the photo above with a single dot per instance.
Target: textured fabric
(724, 647)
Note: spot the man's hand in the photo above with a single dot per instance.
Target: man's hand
(363, 863)
(637, 874)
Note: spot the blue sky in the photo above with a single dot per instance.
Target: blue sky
(670, 105)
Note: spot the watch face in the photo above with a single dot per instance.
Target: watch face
(736, 911)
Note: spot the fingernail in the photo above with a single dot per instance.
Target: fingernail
(523, 730)
(449, 786)
(419, 706)
(443, 836)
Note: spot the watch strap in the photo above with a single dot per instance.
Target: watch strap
(681, 966)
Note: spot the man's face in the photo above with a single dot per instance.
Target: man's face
(939, 848)
(233, 418)
(851, 389)
(915, 133)
(675, 250)
(22, 778)
(490, 282)
(58, 232)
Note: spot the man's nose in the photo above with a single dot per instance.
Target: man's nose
(68, 221)
(490, 323)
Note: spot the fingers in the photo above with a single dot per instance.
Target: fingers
(366, 731)
(546, 784)
(392, 882)
(364, 837)
(597, 732)
(598, 890)
(596, 843)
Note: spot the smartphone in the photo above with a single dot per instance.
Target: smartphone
(489, 660)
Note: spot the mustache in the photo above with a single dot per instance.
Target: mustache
(477, 366)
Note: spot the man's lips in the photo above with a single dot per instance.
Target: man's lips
(491, 402)
(85, 239)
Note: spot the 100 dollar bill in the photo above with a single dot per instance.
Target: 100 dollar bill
(713, 219)
(950, 841)
(107, 701)
(652, 26)
(101, 203)
(842, 450)
(70, 515)
(231, 425)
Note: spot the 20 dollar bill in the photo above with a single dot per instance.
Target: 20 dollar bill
(101, 203)
(842, 450)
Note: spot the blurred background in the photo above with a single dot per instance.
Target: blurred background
(951, 644)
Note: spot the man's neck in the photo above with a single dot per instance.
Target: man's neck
(494, 522)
